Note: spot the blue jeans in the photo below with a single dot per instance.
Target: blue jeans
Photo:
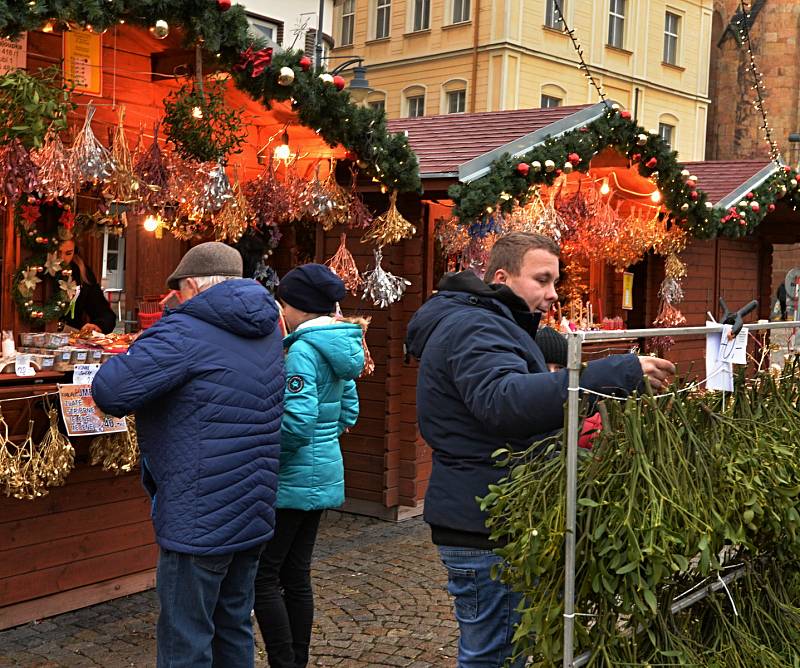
(205, 609)
(485, 608)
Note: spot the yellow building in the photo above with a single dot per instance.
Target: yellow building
(428, 57)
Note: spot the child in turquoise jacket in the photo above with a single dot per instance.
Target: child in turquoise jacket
(325, 356)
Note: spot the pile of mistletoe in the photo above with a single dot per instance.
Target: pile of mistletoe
(511, 180)
(678, 492)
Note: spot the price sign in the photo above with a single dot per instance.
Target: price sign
(81, 415)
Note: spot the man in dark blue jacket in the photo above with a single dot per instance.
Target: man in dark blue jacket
(483, 384)
(206, 385)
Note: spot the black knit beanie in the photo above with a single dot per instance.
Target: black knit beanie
(312, 288)
(553, 346)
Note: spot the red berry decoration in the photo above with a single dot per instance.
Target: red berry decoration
(523, 168)
(651, 163)
(625, 114)
(223, 5)
(339, 82)
(574, 158)
(771, 208)
(305, 63)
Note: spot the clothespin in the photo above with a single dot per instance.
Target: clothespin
(735, 318)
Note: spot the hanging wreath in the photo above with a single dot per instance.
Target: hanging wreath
(200, 123)
(43, 224)
(43, 269)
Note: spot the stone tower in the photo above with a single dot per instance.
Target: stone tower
(734, 125)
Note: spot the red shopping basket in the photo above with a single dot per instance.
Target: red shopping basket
(150, 310)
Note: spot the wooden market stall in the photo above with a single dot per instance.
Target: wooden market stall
(388, 464)
(91, 539)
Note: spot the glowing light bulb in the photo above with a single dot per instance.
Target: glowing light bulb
(605, 188)
(48, 27)
(197, 112)
(151, 223)
(282, 152)
(655, 197)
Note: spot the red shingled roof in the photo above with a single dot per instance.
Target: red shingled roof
(718, 178)
(442, 143)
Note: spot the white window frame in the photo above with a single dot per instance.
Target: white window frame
(551, 19)
(449, 97)
(415, 99)
(546, 98)
(258, 24)
(667, 132)
(616, 23)
(420, 19)
(382, 19)
(460, 11)
(671, 38)
(347, 18)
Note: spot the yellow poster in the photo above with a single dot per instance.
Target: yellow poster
(13, 54)
(83, 61)
(627, 290)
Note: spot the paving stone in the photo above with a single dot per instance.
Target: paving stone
(380, 600)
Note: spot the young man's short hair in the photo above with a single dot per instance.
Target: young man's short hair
(509, 250)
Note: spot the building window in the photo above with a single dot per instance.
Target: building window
(378, 105)
(383, 16)
(348, 22)
(460, 11)
(456, 101)
(264, 29)
(416, 106)
(550, 101)
(616, 23)
(552, 18)
(422, 14)
(672, 25)
(667, 133)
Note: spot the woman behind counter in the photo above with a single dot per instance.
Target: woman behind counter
(92, 311)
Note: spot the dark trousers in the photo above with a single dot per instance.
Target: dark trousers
(284, 602)
(205, 609)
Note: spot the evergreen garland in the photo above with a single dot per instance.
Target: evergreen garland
(508, 184)
(320, 104)
(59, 302)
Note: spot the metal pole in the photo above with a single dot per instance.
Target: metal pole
(318, 36)
(574, 349)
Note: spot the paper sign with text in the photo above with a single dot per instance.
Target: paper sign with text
(84, 374)
(733, 350)
(13, 54)
(81, 415)
(83, 61)
(719, 375)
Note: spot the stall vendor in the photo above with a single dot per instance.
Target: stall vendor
(90, 311)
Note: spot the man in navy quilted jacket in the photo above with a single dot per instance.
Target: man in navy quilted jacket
(206, 385)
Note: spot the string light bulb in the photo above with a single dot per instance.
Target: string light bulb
(152, 223)
(655, 197)
(282, 151)
(604, 187)
(197, 112)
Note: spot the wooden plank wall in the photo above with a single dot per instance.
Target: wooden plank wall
(71, 547)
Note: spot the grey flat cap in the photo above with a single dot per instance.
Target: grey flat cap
(209, 259)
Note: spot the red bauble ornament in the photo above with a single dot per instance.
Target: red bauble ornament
(574, 158)
(750, 195)
(651, 163)
(523, 168)
(339, 82)
(305, 63)
(691, 183)
(694, 194)
(350, 155)
(797, 177)
(625, 114)
(223, 5)
(636, 157)
(771, 208)
(755, 206)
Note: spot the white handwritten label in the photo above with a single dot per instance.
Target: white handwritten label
(733, 350)
(22, 366)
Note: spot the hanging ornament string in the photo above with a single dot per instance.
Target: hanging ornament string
(579, 50)
(758, 83)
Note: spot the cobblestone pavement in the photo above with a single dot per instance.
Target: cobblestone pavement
(380, 601)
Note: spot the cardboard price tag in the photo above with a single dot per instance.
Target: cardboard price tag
(81, 415)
